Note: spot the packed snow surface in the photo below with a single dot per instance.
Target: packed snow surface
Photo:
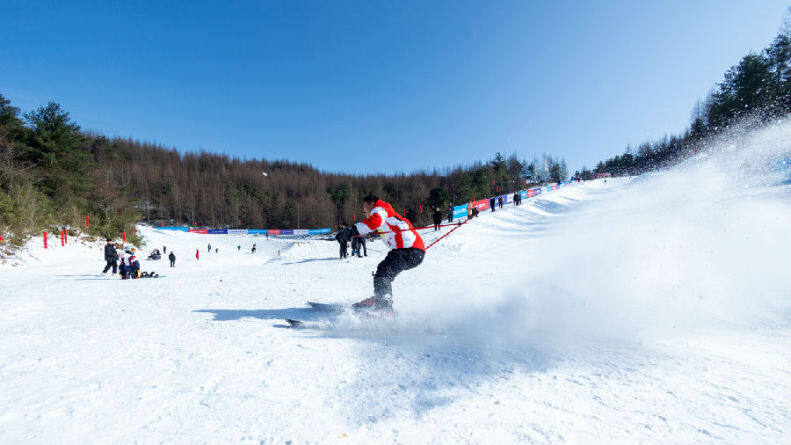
(653, 309)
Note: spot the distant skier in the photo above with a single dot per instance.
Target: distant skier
(406, 249)
(253, 249)
(111, 256)
(172, 259)
(216, 250)
(209, 249)
(197, 254)
(239, 248)
(164, 249)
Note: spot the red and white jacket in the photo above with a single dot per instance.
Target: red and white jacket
(398, 231)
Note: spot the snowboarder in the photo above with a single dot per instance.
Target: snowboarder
(406, 249)
(111, 256)
(172, 259)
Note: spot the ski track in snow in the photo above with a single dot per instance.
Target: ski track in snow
(621, 312)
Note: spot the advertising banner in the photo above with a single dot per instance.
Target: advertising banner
(273, 231)
(537, 191)
(459, 211)
(300, 231)
(201, 231)
(218, 231)
(506, 199)
(318, 231)
(237, 231)
(481, 204)
(286, 232)
(180, 229)
(256, 231)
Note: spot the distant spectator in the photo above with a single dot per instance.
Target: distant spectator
(164, 249)
(111, 257)
(450, 213)
(491, 203)
(436, 218)
(172, 259)
(500, 202)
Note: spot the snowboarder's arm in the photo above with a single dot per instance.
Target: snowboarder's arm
(373, 222)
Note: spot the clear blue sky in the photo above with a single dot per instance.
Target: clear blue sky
(379, 86)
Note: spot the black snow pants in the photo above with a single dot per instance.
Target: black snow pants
(344, 250)
(396, 261)
(113, 264)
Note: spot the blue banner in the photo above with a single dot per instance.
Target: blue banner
(180, 229)
(459, 211)
(286, 232)
(218, 231)
(318, 231)
(538, 191)
(256, 231)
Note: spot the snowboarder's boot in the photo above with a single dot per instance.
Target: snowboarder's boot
(382, 305)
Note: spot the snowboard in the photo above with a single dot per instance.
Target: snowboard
(329, 307)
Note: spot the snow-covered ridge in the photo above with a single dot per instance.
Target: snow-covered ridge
(652, 309)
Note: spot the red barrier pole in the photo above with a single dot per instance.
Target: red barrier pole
(62, 238)
(45, 240)
(87, 220)
(65, 237)
(124, 238)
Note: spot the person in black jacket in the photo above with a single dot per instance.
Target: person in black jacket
(172, 259)
(491, 203)
(111, 256)
(436, 218)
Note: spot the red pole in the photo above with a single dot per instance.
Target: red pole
(62, 238)
(65, 236)
(421, 209)
(124, 238)
(87, 220)
(45, 240)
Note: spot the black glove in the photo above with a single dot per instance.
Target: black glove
(345, 235)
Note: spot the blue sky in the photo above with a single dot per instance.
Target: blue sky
(379, 86)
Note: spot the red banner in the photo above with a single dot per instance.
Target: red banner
(481, 205)
(201, 231)
(530, 193)
(273, 231)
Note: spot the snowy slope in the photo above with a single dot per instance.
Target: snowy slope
(652, 309)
